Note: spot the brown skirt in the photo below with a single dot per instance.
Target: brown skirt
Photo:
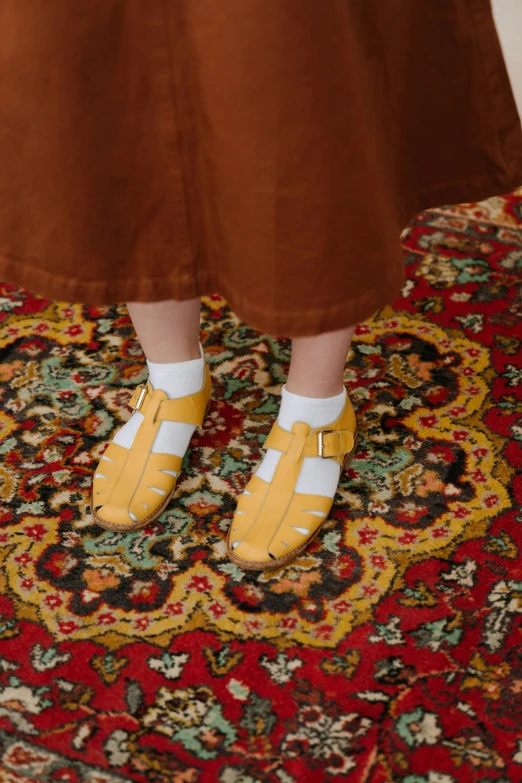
(268, 150)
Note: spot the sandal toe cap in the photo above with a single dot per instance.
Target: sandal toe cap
(115, 515)
(249, 552)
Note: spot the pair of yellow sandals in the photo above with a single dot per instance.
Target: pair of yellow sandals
(272, 523)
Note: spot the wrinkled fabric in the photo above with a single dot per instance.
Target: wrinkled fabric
(268, 150)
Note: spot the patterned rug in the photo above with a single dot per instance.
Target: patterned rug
(390, 651)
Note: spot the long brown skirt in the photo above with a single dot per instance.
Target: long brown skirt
(268, 150)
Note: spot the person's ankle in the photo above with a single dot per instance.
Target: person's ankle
(314, 387)
(176, 353)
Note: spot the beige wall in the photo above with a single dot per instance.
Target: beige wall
(508, 18)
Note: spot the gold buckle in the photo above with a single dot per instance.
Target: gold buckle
(139, 401)
(320, 444)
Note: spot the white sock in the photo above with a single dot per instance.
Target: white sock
(177, 379)
(318, 476)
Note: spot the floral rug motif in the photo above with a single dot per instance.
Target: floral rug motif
(391, 650)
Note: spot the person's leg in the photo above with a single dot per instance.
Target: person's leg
(291, 493)
(168, 332)
(317, 363)
(314, 394)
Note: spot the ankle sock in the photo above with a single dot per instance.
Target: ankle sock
(318, 476)
(177, 379)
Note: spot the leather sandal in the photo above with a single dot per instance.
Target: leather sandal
(133, 486)
(273, 524)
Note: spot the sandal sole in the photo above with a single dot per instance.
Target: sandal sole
(247, 565)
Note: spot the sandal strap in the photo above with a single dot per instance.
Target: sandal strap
(190, 409)
(322, 442)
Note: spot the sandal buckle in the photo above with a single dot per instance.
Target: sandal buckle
(320, 446)
(140, 399)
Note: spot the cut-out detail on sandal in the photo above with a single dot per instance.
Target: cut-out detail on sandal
(107, 458)
(235, 543)
(317, 513)
(159, 491)
(240, 512)
(246, 493)
(132, 516)
(99, 475)
(172, 473)
(145, 504)
(284, 543)
(303, 530)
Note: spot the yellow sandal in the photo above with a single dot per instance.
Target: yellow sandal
(273, 524)
(133, 486)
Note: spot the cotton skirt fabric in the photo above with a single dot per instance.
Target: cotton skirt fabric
(271, 151)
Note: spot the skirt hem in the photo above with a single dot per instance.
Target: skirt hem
(28, 274)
